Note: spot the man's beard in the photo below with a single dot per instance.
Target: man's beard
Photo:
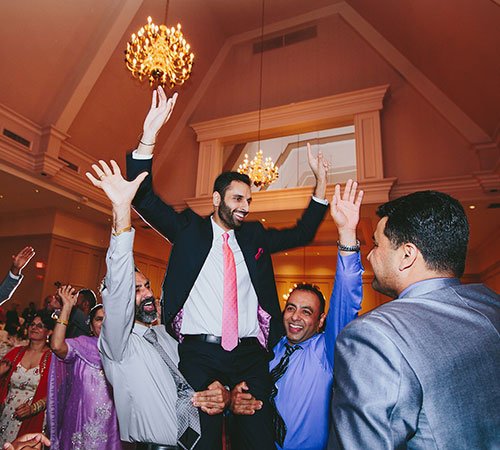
(146, 316)
(227, 217)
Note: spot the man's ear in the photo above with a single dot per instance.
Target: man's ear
(216, 199)
(409, 256)
(321, 320)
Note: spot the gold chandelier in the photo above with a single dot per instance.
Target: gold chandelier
(261, 172)
(159, 54)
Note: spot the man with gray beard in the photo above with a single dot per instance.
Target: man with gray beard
(156, 407)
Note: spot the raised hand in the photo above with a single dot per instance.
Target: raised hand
(319, 167)
(159, 113)
(68, 296)
(20, 260)
(345, 208)
(111, 181)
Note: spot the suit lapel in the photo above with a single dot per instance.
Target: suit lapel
(247, 248)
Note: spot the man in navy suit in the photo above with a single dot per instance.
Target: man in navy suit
(421, 371)
(196, 283)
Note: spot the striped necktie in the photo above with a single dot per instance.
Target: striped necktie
(188, 421)
(230, 306)
(276, 374)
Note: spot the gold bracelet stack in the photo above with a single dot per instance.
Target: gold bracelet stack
(38, 406)
(62, 322)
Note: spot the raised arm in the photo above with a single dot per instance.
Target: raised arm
(159, 113)
(58, 339)
(345, 301)
(319, 167)
(10, 283)
(119, 291)
(146, 202)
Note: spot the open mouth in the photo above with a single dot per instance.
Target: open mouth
(148, 306)
(294, 328)
(240, 215)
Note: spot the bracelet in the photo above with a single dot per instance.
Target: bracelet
(37, 407)
(349, 248)
(123, 230)
(62, 322)
(147, 145)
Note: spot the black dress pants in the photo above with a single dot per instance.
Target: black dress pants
(202, 363)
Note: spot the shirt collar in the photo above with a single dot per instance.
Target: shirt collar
(432, 284)
(218, 231)
(139, 329)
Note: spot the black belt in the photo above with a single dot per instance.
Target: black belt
(147, 446)
(211, 339)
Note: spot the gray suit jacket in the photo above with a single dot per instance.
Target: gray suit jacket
(8, 286)
(421, 372)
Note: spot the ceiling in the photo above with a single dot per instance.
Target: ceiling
(62, 66)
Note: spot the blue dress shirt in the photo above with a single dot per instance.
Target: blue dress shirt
(304, 391)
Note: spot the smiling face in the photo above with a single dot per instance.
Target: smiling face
(230, 211)
(145, 306)
(302, 317)
(37, 330)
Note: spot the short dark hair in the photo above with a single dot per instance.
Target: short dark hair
(435, 223)
(223, 181)
(308, 287)
(88, 296)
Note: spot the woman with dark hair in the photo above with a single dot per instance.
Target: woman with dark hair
(80, 410)
(23, 382)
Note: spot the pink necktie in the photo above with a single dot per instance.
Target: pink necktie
(230, 306)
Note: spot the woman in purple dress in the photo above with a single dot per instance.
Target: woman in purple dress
(80, 410)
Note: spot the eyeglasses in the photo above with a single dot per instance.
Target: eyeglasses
(37, 325)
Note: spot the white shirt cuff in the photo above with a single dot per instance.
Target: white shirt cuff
(136, 155)
(16, 277)
(323, 201)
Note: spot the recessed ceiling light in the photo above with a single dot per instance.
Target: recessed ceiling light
(472, 206)
(286, 254)
(37, 191)
(78, 207)
(1, 196)
(263, 220)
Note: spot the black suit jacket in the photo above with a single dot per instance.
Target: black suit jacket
(191, 236)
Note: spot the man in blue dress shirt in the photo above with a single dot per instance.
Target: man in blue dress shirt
(304, 386)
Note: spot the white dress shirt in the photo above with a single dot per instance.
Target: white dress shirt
(203, 307)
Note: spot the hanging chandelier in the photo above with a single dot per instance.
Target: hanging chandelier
(262, 172)
(159, 54)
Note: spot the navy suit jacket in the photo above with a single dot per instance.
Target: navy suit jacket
(191, 237)
(421, 372)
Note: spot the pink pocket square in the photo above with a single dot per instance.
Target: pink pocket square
(259, 253)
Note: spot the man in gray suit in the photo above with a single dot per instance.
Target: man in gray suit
(421, 371)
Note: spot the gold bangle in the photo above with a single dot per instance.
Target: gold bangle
(62, 322)
(123, 230)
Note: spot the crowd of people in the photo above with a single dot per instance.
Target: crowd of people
(226, 368)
